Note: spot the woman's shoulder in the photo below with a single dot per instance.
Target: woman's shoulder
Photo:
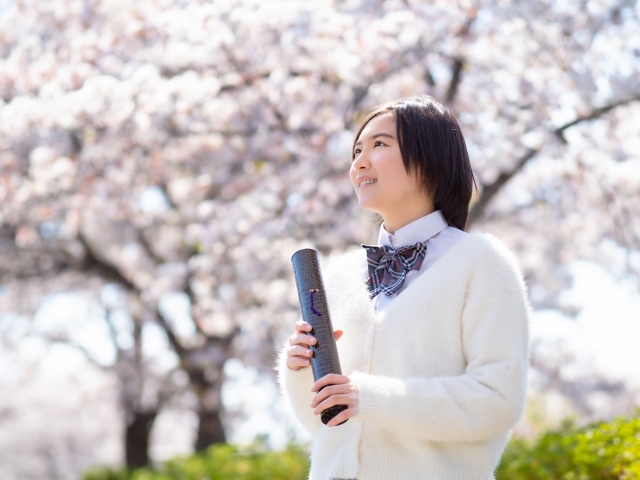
(491, 261)
(345, 266)
(488, 247)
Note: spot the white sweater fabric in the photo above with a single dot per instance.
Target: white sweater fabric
(441, 371)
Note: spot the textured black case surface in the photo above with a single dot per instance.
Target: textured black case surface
(315, 311)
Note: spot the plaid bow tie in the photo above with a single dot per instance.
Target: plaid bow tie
(388, 267)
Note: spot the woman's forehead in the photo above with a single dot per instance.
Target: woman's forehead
(384, 123)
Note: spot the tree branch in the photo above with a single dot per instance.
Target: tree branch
(459, 61)
(104, 269)
(428, 77)
(456, 78)
(114, 336)
(83, 350)
(597, 113)
(193, 300)
(146, 246)
(489, 191)
(361, 91)
(181, 351)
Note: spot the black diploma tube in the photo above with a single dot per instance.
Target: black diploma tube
(315, 311)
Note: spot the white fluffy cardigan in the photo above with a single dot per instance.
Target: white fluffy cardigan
(441, 371)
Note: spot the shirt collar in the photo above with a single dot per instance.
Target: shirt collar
(419, 230)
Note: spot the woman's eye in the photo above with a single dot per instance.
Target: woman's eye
(377, 143)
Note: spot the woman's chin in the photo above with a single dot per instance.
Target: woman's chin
(368, 204)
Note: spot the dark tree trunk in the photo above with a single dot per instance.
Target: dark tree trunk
(207, 385)
(210, 429)
(137, 439)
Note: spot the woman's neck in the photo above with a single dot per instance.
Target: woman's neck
(393, 223)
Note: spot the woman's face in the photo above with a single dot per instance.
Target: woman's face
(379, 177)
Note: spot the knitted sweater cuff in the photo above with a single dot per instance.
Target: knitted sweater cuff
(375, 396)
(296, 387)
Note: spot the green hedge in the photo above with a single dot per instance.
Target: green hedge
(599, 451)
(221, 462)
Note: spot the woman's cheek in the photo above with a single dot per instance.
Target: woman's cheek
(352, 178)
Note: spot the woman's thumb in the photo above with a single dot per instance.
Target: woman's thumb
(337, 334)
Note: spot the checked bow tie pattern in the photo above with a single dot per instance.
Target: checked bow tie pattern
(388, 267)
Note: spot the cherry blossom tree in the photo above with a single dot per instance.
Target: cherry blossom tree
(182, 151)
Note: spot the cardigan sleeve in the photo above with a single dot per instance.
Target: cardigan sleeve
(296, 387)
(488, 398)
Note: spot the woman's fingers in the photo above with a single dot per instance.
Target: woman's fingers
(302, 339)
(342, 416)
(301, 326)
(296, 363)
(334, 389)
(331, 379)
(299, 351)
(333, 400)
(298, 357)
(328, 391)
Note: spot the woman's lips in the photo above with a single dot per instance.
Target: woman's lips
(368, 184)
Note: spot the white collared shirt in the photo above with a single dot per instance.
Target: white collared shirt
(432, 230)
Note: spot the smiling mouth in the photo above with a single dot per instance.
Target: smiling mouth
(366, 182)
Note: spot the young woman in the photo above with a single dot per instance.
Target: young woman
(432, 321)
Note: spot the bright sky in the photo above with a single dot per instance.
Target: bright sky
(604, 335)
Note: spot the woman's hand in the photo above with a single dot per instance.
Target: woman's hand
(298, 353)
(338, 390)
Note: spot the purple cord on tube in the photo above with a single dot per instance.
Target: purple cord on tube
(311, 292)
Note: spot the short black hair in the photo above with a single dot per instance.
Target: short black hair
(432, 146)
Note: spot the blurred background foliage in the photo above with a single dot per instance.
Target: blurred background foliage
(221, 462)
(160, 161)
(608, 451)
(602, 450)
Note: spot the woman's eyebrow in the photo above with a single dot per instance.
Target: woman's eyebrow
(373, 137)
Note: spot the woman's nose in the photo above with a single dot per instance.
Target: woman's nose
(361, 163)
